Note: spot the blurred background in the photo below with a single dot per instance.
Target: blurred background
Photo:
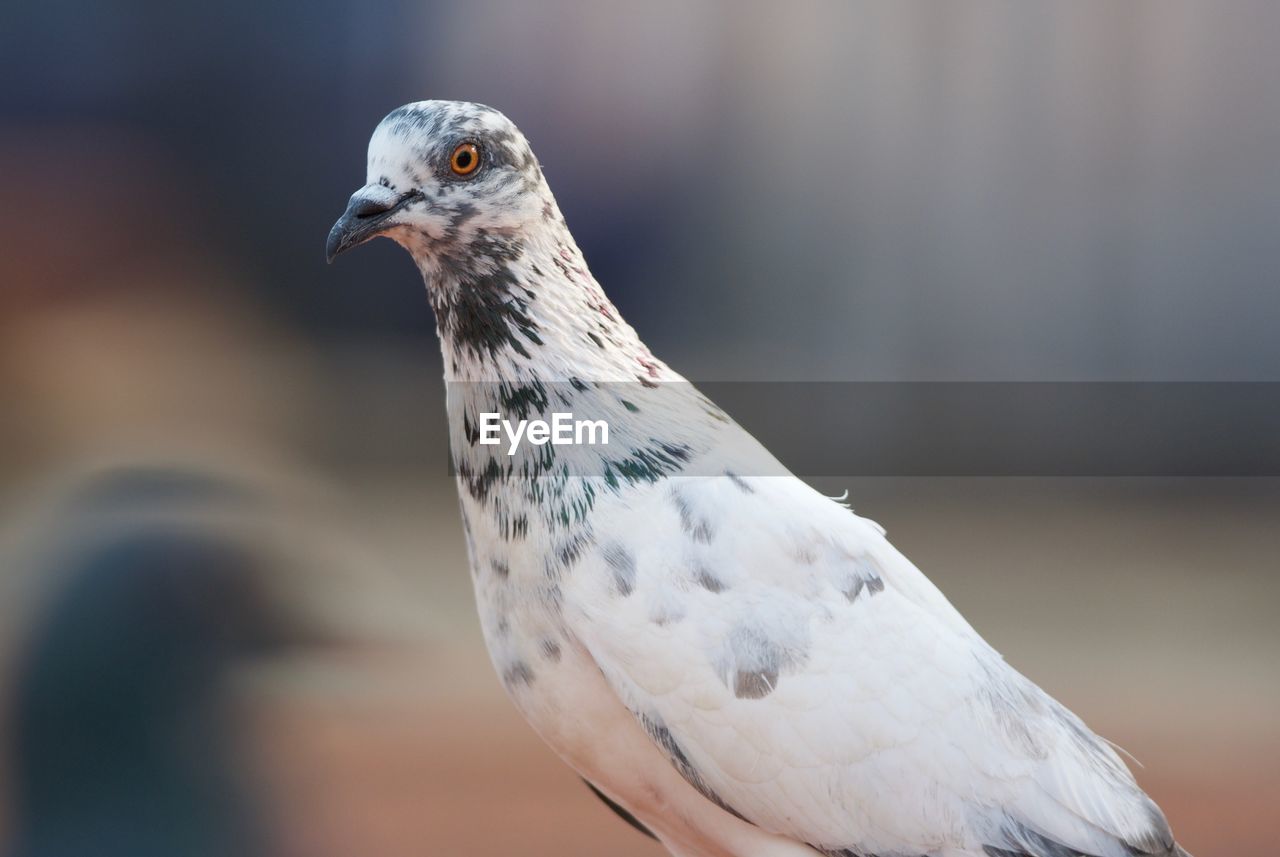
(222, 460)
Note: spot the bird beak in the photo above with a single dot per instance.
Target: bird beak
(368, 215)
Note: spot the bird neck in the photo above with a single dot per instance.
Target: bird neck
(526, 332)
(525, 307)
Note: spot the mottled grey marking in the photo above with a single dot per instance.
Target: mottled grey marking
(806, 555)
(623, 564)
(523, 399)
(480, 482)
(707, 580)
(446, 125)
(872, 585)
(754, 685)
(554, 597)
(665, 614)
(514, 528)
(645, 464)
(696, 526)
(484, 315)
(741, 483)
(469, 430)
(517, 675)
(550, 650)
(460, 215)
(500, 568)
(570, 551)
(753, 661)
(1016, 705)
(1022, 841)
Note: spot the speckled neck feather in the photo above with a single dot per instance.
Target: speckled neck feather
(525, 306)
(525, 329)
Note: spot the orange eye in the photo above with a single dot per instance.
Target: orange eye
(465, 159)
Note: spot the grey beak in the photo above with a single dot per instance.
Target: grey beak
(367, 216)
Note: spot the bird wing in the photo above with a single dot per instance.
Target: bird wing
(804, 675)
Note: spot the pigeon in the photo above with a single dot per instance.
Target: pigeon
(734, 662)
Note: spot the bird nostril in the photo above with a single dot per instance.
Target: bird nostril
(370, 208)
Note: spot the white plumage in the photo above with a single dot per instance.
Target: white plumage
(741, 663)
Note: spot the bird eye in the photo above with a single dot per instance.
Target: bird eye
(465, 159)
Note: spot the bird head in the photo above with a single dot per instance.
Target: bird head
(446, 180)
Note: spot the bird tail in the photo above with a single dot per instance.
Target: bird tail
(1179, 851)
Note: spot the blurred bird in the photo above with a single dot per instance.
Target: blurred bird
(124, 740)
(732, 660)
